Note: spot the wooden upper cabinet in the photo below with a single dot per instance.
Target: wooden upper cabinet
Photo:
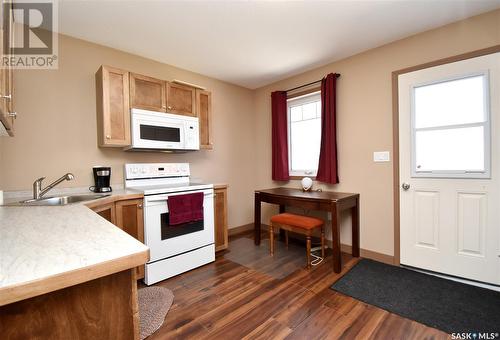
(181, 99)
(147, 93)
(204, 112)
(7, 112)
(113, 110)
(130, 218)
(220, 217)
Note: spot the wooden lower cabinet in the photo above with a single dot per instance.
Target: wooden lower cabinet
(104, 308)
(106, 211)
(130, 218)
(127, 215)
(220, 217)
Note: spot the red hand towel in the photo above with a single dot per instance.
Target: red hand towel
(185, 208)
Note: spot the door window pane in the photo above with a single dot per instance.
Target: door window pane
(450, 149)
(451, 128)
(459, 101)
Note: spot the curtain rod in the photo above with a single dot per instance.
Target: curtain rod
(314, 82)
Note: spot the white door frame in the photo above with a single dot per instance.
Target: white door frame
(395, 132)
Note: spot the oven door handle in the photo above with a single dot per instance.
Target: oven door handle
(165, 197)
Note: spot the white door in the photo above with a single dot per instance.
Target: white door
(449, 168)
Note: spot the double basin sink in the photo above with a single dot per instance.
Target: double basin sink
(58, 200)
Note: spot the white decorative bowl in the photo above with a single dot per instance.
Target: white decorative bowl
(306, 183)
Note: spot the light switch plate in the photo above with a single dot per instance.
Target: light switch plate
(381, 156)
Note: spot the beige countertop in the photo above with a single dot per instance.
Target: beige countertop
(43, 249)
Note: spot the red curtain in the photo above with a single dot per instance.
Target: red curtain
(327, 167)
(279, 136)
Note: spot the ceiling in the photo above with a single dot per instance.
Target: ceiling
(253, 44)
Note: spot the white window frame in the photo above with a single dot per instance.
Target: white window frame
(486, 126)
(301, 100)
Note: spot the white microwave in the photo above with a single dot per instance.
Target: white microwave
(163, 131)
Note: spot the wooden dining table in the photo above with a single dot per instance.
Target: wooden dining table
(330, 201)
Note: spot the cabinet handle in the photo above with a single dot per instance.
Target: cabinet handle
(12, 114)
(170, 108)
(139, 206)
(7, 96)
(108, 137)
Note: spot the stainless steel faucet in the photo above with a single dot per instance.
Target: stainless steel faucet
(38, 192)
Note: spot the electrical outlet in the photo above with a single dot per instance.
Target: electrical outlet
(381, 156)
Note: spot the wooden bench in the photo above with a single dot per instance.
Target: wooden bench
(304, 225)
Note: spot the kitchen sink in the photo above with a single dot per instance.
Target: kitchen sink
(59, 200)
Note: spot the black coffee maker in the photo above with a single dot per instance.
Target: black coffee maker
(102, 176)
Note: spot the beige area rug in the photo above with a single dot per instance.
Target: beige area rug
(154, 304)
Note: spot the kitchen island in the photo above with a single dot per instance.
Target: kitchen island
(66, 272)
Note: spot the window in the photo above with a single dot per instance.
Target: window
(450, 132)
(304, 134)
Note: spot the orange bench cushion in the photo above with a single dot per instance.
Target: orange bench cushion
(298, 221)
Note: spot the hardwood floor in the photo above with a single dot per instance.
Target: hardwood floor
(225, 300)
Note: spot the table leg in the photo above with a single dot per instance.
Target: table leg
(337, 261)
(355, 229)
(257, 219)
(282, 232)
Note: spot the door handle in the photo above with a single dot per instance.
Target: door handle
(405, 186)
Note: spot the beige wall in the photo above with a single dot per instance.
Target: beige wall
(365, 118)
(56, 127)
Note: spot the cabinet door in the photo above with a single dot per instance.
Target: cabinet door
(204, 111)
(7, 112)
(113, 111)
(220, 216)
(181, 99)
(130, 218)
(147, 93)
(107, 211)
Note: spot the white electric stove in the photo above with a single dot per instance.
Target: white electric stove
(179, 248)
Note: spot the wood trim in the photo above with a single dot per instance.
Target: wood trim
(459, 57)
(220, 186)
(298, 178)
(41, 286)
(113, 198)
(395, 128)
(181, 82)
(304, 92)
(241, 229)
(369, 254)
